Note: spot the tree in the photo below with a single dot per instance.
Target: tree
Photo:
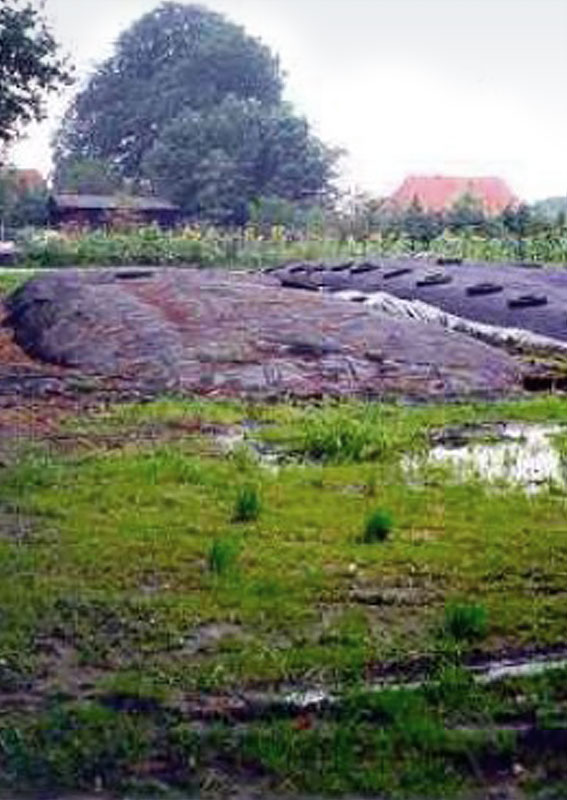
(193, 103)
(21, 204)
(420, 225)
(174, 59)
(8, 198)
(550, 209)
(86, 176)
(467, 213)
(519, 222)
(30, 67)
(216, 163)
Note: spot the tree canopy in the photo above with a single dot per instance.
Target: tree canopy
(216, 163)
(30, 67)
(87, 176)
(193, 102)
(175, 58)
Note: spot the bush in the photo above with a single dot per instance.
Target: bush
(247, 506)
(465, 621)
(378, 527)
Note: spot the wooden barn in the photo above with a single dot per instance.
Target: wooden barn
(98, 211)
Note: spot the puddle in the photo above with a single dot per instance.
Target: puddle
(237, 437)
(487, 673)
(520, 668)
(515, 453)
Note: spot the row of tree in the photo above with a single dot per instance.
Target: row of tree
(356, 216)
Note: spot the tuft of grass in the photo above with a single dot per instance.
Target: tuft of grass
(465, 621)
(247, 506)
(223, 556)
(378, 527)
(338, 436)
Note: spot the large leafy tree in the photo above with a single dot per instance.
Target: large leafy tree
(175, 58)
(216, 163)
(30, 67)
(193, 102)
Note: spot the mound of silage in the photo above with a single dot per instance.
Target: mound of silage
(229, 334)
(507, 296)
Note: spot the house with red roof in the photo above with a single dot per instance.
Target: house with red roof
(439, 193)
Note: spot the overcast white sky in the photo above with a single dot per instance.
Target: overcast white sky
(472, 87)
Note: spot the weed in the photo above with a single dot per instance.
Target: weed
(247, 506)
(465, 621)
(378, 527)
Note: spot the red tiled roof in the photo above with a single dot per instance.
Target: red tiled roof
(29, 179)
(439, 193)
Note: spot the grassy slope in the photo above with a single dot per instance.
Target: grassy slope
(109, 586)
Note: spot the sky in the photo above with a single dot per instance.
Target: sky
(427, 87)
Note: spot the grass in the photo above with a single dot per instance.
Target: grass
(465, 621)
(132, 581)
(223, 556)
(393, 743)
(10, 281)
(247, 505)
(378, 527)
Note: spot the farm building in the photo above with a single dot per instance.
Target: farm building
(439, 193)
(100, 210)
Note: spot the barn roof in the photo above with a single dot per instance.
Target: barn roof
(439, 193)
(97, 202)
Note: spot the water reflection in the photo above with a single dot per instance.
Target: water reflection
(517, 453)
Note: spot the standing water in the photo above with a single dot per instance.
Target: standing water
(516, 453)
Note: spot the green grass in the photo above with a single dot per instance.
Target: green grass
(440, 740)
(223, 556)
(10, 281)
(465, 621)
(247, 505)
(133, 581)
(378, 527)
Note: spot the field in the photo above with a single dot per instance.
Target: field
(179, 578)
